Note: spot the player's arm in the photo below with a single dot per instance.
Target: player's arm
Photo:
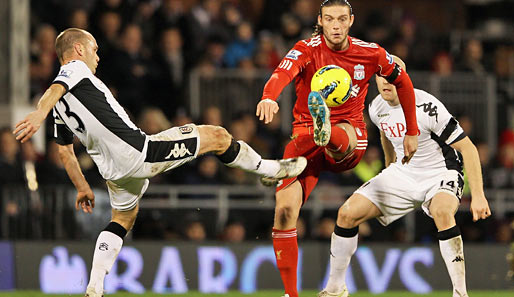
(387, 146)
(479, 205)
(30, 125)
(85, 196)
(394, 74)
(286, 71)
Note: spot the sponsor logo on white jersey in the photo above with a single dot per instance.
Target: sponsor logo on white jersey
(293, 54)
(358, 72)
(285, 64)
(178, 151)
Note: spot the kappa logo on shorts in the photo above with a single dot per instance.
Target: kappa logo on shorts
(178, 151)
(185, 129)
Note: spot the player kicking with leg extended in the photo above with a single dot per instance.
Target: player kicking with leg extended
(334, 139)
(126, 157)
(432, 179)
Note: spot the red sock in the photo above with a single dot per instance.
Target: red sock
(286, 253)
(338, 140)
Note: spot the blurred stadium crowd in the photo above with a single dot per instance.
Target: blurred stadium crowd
(148, 49)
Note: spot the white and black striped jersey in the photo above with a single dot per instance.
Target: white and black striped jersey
(89, 111)
(437, 130)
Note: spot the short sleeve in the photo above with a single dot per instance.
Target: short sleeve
(71, 74)
(62, 133)
(386, 67)
(440, 121)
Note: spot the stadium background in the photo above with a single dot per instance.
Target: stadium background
(170, 62)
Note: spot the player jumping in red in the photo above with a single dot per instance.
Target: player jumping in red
(331, 139)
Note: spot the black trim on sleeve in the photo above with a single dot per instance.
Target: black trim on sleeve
(449, 129)
(64, 134)
(396, 72)
(460, 137)
(62, 84)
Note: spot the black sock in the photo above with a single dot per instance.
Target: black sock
(448, 233)
(343, 232)
(231, 153)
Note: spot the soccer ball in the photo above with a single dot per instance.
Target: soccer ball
(333, 83)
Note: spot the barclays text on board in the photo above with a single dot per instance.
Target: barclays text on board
(247, 268)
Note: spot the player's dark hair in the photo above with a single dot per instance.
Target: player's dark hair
(66, 39)
(319, 29)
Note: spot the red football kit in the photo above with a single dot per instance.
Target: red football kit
(362, 60)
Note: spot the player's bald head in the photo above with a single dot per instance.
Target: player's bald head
(67, 38)
(400, 62)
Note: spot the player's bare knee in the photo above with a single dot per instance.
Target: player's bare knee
(213, 139)
(442, 213)
(221, 138)
(285, 214)
(346, 218)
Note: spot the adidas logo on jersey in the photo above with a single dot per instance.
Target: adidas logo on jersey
(178, 151)
(314, 41)
(355, 90)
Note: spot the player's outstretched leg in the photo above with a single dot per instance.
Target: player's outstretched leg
(321, 118)
(239, 154)
(107, 248)
(442, 208)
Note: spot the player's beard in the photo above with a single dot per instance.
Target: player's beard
(337, 44)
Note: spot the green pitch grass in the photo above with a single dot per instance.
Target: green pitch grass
(270, 294)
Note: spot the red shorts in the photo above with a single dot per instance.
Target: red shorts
(303, 144)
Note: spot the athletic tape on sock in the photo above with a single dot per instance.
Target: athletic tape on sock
(448, 233)
(343, 232)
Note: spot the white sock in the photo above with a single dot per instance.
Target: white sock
(453, 255)
(108, 245)
(249, 160)
(341, 251)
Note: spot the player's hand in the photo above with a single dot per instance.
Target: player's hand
(27, 127)
(266, 109)
(410, 146)
(480, 208)
(85, 200)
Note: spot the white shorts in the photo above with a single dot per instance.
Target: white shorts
(166, 150)
(397, 190)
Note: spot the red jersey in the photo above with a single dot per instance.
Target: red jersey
(361, 59)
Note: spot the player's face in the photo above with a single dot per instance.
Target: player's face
(387, 90)
(90, 53)
(336, 22)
